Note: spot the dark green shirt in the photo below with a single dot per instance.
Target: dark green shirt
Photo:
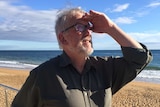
(56, 83)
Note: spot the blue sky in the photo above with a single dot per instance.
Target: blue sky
(29, 24)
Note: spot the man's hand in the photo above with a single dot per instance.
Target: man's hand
(101, 23)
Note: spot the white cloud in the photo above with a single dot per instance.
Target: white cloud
(23, 23)
(104, 41)
(151, 39)
(153, 4)
(27, 45)
(120, 8)
(147, 9)
(124, 20)
(147, 36)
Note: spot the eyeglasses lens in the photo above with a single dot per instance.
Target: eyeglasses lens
(82, 28)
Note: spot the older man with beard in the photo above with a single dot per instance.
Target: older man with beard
(75, 78)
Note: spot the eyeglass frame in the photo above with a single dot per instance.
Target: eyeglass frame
(88, 26)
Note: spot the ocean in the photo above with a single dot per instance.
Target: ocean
(31, 59)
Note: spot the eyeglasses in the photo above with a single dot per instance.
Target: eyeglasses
(80, 27)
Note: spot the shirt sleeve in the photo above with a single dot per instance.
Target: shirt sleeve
(28, 96)
(126, 68)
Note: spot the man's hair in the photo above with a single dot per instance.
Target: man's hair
(64, 18)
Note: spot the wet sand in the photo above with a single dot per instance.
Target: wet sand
(134, 94)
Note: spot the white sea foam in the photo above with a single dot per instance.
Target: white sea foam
(149, 76)
(145, 75)
(16, 65)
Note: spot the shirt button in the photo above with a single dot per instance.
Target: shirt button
(85, 93)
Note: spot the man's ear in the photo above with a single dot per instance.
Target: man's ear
(62, 39)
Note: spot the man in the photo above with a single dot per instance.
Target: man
(76, 79)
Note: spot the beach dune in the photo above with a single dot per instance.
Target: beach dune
(134, 94)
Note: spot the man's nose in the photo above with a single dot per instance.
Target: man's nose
(87, 32)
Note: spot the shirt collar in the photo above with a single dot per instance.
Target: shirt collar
(89, 62)
(64, 60)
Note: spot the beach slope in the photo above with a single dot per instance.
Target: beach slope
(134, 94)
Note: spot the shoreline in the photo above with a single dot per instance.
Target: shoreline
(135, 93)
(139, 78)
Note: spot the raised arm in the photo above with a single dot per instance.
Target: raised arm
(102, 24)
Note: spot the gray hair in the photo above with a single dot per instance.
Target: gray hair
(64, 18)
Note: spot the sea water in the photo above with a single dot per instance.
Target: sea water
(31, 59)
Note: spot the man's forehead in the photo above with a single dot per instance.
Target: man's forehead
(78, 20)
(82, 21)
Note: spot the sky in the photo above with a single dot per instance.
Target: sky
(29, 24)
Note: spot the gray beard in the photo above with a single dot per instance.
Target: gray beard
(87, 53)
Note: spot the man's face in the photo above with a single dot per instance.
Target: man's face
(78, 37)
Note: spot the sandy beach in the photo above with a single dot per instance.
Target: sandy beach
(134, 94)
